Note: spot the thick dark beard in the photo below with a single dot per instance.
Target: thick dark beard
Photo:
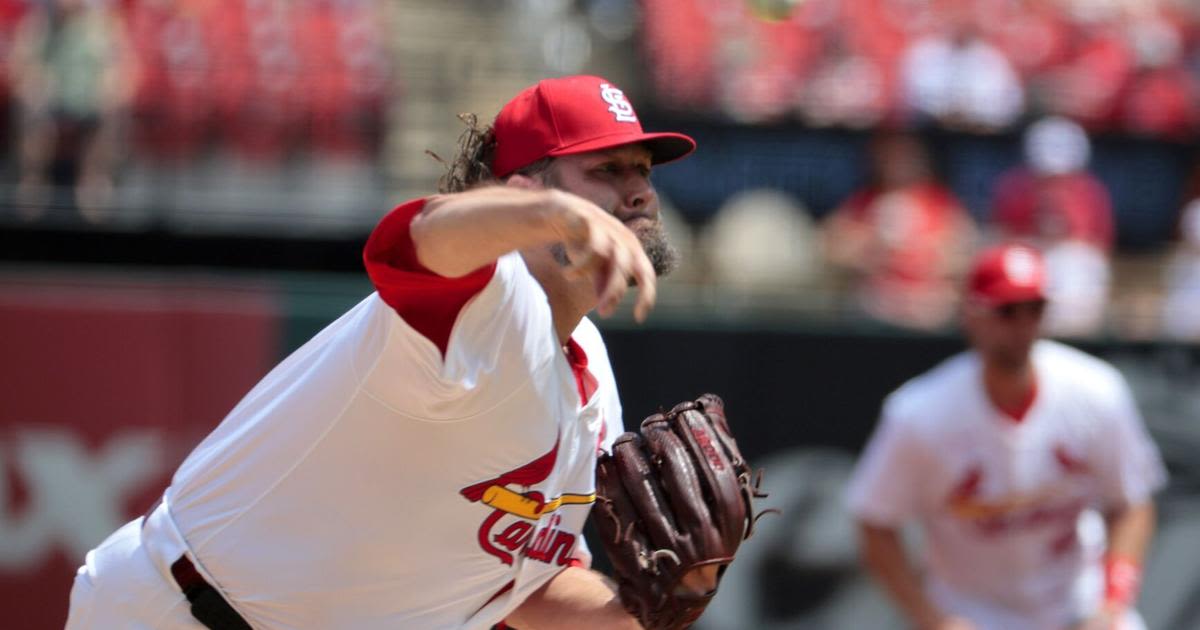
(662, 254)
(664, 258)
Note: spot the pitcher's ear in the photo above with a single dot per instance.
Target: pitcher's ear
(524, 182)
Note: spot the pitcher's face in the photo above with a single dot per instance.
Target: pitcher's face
(618, 180)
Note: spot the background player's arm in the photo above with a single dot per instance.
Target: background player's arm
(884, 493)
(885, 557)
(1131, 471)
(1130, 529)
(458, 233)
(576, 598)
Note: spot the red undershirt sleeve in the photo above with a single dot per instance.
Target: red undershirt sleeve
(425, 300)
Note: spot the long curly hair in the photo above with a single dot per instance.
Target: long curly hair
(472, 165)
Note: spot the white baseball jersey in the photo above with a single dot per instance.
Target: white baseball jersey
(1009, 507)
(369, 481)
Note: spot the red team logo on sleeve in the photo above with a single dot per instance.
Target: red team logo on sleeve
(550, 544)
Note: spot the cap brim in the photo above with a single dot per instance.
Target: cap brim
(664, 147)
(1010, 295)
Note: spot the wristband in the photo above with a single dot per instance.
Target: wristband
(1122, 578)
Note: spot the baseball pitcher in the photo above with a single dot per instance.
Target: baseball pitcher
(429, 459)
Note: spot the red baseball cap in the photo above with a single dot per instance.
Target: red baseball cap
(1007, 273)
(572, 115)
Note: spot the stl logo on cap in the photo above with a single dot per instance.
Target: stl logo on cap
(1020, 266)
(620, 106)
(558, 117)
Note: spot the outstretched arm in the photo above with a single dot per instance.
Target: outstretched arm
(575, 599)
(458, 233)
(885, 557)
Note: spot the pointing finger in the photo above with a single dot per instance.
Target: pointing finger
(616, 282)
(643, 275)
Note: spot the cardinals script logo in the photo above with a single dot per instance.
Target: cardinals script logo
(1054, 507)
(509, 496)
(617, 103)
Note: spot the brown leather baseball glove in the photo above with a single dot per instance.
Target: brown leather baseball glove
(674, 502)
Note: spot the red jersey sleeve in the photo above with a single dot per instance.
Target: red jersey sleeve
(425, 300)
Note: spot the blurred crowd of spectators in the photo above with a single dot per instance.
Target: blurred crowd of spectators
(896, 249)
(1056, 72)
(979, 65)
(905, 238)
(85, 80)
(92, 86)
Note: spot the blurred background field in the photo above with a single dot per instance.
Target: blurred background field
(185, 187)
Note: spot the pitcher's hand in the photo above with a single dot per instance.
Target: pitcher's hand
(600, 246)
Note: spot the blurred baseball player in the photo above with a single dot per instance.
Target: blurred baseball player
(1016, 458)
(428, 460)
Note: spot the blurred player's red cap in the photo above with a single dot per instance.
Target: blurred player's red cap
(1005, 274)
(574, 115)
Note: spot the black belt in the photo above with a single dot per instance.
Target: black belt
(208, 607)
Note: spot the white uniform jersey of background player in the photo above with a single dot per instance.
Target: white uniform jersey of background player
(1008, 501)
(426, 461)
